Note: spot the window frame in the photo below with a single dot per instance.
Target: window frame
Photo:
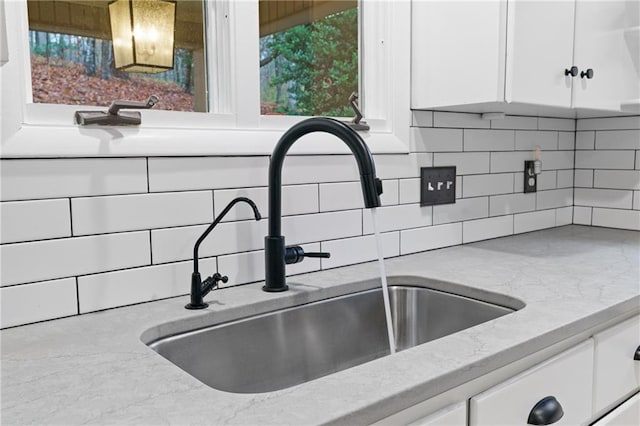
(234, 125)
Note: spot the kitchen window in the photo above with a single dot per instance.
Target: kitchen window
(234, 123)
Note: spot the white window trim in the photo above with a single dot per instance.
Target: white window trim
(236, 126)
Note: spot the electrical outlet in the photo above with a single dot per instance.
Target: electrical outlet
(530, 177)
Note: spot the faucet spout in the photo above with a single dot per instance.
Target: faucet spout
(371, 188)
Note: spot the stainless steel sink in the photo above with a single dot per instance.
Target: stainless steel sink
(284, 348)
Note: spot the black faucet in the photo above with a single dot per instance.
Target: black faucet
(275, 253)
(200, 289)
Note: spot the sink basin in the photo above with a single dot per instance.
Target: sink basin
(284, 348)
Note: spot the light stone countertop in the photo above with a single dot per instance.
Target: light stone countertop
(95, 369)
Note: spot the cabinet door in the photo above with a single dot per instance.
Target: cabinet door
(607, 42)
(617, 373)
(455, 415)
(457, 52)
(539, 49)
(567, 378)
(627, 414)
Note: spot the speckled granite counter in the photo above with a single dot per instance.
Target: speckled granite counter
(95, 369)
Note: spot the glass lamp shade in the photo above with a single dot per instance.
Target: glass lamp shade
(143, 34)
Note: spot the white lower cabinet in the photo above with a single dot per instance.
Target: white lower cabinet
(617, 373)
(627, 414)
(560, 386)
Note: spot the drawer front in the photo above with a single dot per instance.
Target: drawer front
(617, 374)
(455, 415)
(627, 414)
(568, 377)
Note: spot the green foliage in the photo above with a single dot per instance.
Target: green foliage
(318, 64)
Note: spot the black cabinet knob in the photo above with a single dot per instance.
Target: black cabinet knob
(636, 356)
(573, 71)
(547, 411)
(588, 73)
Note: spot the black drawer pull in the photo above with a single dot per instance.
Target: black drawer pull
(636, 356)
(547, 411)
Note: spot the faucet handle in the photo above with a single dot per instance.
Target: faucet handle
(296, 254)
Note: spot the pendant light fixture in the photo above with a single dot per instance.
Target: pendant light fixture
(143, 34)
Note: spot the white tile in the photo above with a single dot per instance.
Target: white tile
(566, 141)
(554, 198)
(260, 196)
(509, 161)
(556, 160)
(436, 140)
(617, 179)
(532, 221)
(564, 216)
(399, 166)
(515, 122)
(410, 191)
(466, 162)
(618, 139)
(511, 203)
(340, 196)
(488, 140)
(603, 198)
(566, 124)
(66, 257)
(581, 215)
(529, 140)
(518, 183)
(296, 199)
(637, 160)
(475, 186)
(548, 180)
(429, 238)
(319, 168)
(191, 173)
(349, 251)
(463, 209)
(28, 303)
(422, 118)
(614, 218)
(120, 288)
(458, 187)
(394, 218)
(52, 178)
(173, 244)
(323, 226)
(101, 215)
(636, 200)
(390, 192)
(609, 123)
(483, 229)
(585, 140)
(565, 178)
(34, 220)
(248, 267)
(459, 119)
(348, 195)
(584, 178)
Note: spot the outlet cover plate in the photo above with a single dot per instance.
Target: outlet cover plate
(437, 185)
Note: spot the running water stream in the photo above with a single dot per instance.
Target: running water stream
(383, 277)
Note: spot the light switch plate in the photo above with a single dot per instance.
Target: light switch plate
(437, 185)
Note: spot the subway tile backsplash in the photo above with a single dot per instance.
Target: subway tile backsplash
(81, 235)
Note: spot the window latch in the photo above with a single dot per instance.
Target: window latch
(113, 116)
(356, 123)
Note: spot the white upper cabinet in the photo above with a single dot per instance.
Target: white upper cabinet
(539, 50)
(517, 55)
(607, 41)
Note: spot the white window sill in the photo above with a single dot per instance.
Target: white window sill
(47, 141)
